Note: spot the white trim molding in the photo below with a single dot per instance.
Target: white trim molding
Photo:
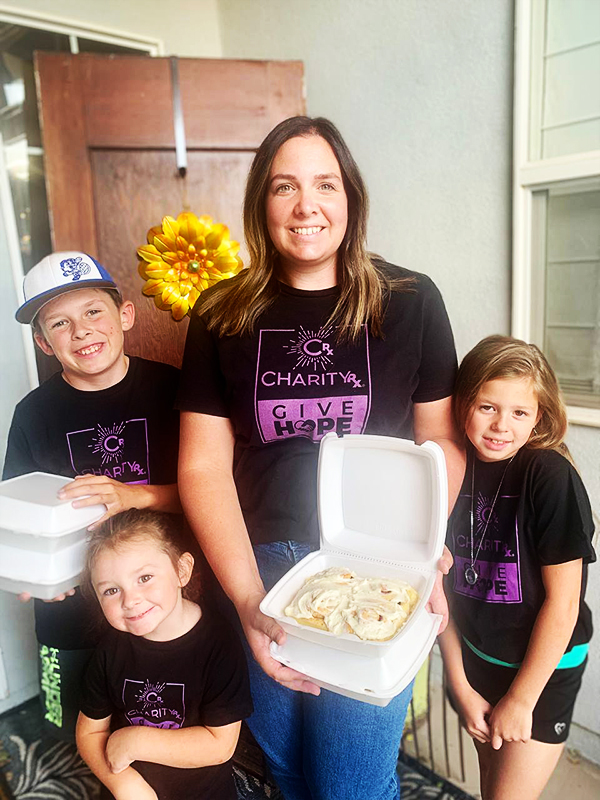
(71, 28)
(534, 175)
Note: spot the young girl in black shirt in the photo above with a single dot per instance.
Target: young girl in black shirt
(167, 687)
(520, 534)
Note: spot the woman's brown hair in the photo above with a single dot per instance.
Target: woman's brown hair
(234, 306)
(498, 357)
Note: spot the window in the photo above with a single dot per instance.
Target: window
(20, 36)
(24, 224)
(556, 271)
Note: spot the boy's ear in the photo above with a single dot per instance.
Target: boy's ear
(43, 344)
(185, 568)
(127, 312)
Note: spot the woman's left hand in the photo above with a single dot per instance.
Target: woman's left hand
(260, 631)
(437, 601)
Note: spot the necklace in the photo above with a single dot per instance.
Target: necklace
(471, 574)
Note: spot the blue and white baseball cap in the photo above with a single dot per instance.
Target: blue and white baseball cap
(59, 273)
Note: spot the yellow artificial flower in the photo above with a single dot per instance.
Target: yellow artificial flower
(183, 257)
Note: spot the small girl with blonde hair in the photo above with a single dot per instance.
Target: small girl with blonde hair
(520, 534)
(167, 687)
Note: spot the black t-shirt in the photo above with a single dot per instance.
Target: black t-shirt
(129, 432)
(542, 517)
(292, 382)
(200, 678)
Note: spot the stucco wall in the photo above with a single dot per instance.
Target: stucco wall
(422, 92)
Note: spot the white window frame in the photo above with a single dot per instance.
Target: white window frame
(77, 30)
(533, 176)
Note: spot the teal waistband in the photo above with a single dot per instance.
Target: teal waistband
(572, 658)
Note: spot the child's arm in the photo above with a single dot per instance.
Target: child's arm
(511, 718)
(197, 746)
(473, 708)
(92, 736)
(116, 496)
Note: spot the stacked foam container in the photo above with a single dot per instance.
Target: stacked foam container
(382, 513)
(42, 539)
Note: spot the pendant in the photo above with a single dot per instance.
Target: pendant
(471, 575)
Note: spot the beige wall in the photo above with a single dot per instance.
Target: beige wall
(422, 92)
(186, 27)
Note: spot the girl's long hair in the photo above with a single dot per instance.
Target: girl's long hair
(497, 357)
(235, 305)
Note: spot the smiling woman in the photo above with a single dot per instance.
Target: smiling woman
(316, 335)
(307, 211)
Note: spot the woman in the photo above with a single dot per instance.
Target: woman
(315, 336)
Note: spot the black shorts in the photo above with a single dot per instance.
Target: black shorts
(553, 711)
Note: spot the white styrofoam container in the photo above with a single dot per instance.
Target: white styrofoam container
(372, 680)
(382, 510)
(383, 507)
(42, 575)
(30, 504)
(42, 539)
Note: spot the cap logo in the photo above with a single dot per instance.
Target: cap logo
(74, 267)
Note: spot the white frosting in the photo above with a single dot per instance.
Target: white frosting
(343, 602)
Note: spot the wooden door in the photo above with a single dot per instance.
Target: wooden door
(109, 152)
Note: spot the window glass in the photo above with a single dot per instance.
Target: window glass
(92, 46)
(571, 317)
(565, 72)
(20, 129)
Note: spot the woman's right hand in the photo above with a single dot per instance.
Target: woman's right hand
(260, 631)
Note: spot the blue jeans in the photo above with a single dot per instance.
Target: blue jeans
(328, 747)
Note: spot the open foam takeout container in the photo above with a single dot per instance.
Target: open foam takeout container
(382, 513)
(42, 538)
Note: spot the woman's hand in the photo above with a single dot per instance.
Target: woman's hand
(260, 631)
(474, 711)
(437, 601)
(510, 721)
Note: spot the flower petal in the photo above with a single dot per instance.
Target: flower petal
(170, 293)
(170, 258)
(170, 227)
(217, 234)
(159, 303)
(189, 226)
(152, 232)
(193, 296)
(153, 287)
(157, 270)
(180, 308)
(149, 253)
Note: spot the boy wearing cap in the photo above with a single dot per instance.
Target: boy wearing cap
(107, 420)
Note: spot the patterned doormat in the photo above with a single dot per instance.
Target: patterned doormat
(33, 767)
